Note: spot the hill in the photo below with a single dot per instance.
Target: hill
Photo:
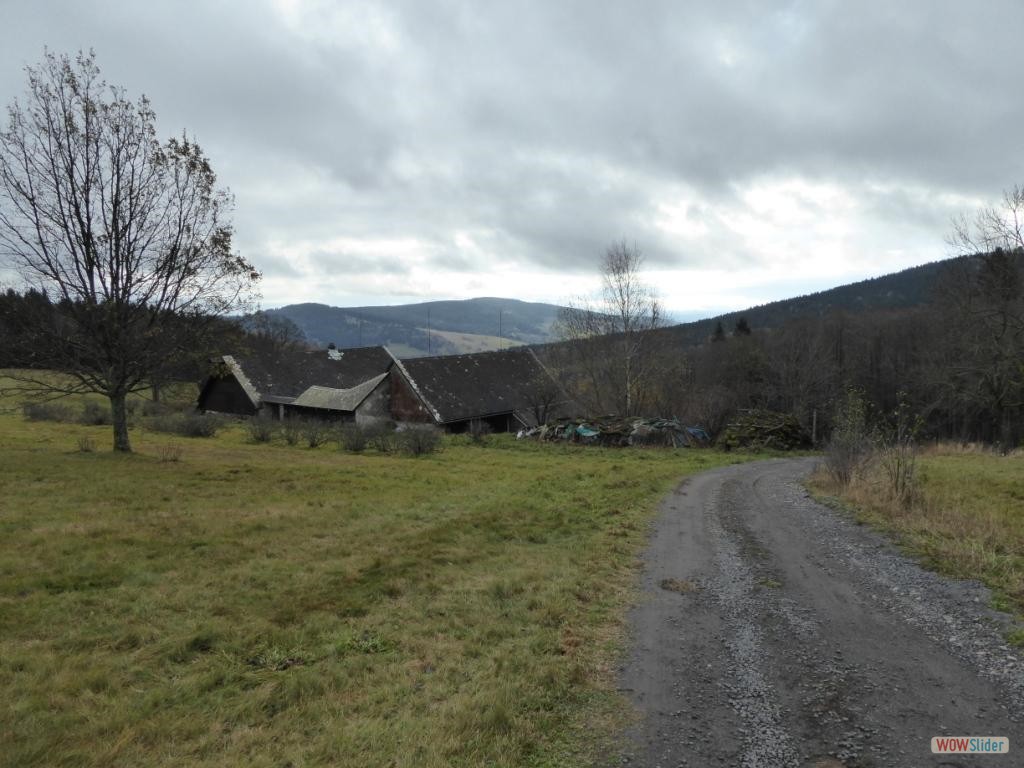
(470, 325)
(475, 325)
(900, 290)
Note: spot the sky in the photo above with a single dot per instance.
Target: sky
(384, 153)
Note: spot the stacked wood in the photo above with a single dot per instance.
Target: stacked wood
(756, 429)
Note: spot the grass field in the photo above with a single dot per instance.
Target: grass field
(967, 520)
(264, 605)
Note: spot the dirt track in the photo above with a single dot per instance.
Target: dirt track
(774, 632)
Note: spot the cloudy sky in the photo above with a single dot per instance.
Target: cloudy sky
(389, 152)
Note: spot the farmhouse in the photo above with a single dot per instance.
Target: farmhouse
(506, 390)
(343, 385)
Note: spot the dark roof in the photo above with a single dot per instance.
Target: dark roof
(289, 373)
(460, 387)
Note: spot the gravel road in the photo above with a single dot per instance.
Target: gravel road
(775, 632)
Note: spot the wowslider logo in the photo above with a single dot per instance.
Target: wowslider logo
(970, 745)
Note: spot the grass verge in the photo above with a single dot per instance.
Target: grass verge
(965, 520)
(263, 605)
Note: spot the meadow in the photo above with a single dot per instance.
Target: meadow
(214, 602)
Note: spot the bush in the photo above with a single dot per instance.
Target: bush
(261, 428)
(150, 408)
(200, 425)
(48, 411)
(191, 424)
(417, 441)
(896, 450)
(316, 432)
(849, 449)
(291, 430)
(352, 438)
(170, 453)
(382, 437)
(95, 414)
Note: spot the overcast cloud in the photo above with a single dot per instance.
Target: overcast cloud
(386, 152)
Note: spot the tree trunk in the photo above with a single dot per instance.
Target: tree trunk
(155, 389)
(1006, 442)
(119, 417)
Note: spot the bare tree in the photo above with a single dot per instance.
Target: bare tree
(993, 227)
(800, 356)
(271, 333)
(986, 304)
(542, 396)
(609, 335)
(129, 237)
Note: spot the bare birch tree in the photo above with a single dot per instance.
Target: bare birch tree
(130, 238)
(608, 337)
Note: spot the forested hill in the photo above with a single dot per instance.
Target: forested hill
(900, 290)
(474, 325)
(470, 325)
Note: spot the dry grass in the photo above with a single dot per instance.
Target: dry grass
(967, 449)
(682, 586)
(263, 605)
(965, 519)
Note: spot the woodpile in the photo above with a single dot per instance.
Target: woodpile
(755, 429)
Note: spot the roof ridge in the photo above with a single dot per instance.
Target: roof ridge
(416, 390)
(247, 386)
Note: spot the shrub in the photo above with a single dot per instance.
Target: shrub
(95, 414)
(896, 449)
(261, 428)
(291, 430)
(417, 441)
(150, 408)
(170, 453)
(316, 432)
(352, 438)
(200, 425)
(47, 411)
(849, 449)
(382, 437)
(192, 424)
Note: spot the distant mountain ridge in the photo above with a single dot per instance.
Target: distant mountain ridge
(469, 325)
(474, 325)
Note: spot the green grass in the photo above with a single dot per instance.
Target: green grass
(966, 521)
(261, 605)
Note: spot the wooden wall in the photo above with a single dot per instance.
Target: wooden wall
(224, 394)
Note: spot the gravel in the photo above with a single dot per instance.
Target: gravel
(807, 640)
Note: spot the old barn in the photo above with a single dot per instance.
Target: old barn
(506, 389)
(342, 385)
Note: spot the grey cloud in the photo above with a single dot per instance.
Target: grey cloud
(554, 126)
(333, 262)
(275, 265)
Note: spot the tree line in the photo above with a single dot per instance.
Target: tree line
(957, 361)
